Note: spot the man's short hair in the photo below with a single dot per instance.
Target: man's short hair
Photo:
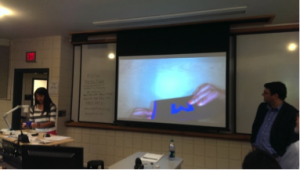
(277, 88)
(259, 159)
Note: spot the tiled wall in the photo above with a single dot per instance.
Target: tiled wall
(198, 153)
(5, 105)
(65, 83)
(53, 52)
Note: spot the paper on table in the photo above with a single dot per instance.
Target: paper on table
(151, 157)
(36, 140)
(57, 138)
(47, 139)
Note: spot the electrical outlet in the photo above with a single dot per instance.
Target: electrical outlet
(62, 113)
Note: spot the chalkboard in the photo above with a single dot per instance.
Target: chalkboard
(97, 83)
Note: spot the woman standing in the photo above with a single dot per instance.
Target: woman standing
(43, 113)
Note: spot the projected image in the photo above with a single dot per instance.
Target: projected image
(176, 89)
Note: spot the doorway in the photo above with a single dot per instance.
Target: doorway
(19, 96)
(37, 83)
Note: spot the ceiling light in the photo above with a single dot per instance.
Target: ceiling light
(207, 13)
(111, 56)
(292, 46)
(4, 11)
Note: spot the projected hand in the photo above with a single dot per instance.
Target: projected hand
(23, 125)
(205, 94)
(141, 113)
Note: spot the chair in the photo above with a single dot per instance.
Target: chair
(95, 164)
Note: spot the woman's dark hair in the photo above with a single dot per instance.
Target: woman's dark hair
(47, 99)
(260, 159)
(277, 88)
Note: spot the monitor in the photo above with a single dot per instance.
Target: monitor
(51, 157)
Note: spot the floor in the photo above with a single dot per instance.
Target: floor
(4, 165)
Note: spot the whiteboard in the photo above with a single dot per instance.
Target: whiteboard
(97, 83)
(263, 58)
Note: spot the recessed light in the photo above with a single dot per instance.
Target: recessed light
(292, 46)
(111, 56)
(4, 11)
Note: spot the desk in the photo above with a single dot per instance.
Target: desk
(13, 140)
(12, 151)
(164, 162)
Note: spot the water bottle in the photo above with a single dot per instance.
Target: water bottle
(172, 150)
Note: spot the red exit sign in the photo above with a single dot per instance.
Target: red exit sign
(30, 57)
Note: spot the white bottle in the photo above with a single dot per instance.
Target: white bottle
(172, 150)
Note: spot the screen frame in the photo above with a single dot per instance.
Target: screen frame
(186, 39)
(169, 126)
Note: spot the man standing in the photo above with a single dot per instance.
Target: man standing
(290, 159)
(273, 127)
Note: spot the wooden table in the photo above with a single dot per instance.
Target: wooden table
(40, 135)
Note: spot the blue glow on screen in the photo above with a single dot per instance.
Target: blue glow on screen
(170, 84)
